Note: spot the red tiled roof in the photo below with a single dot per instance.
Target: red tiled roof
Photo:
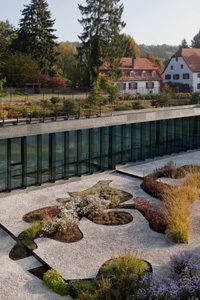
(138, 65)
(191, 57)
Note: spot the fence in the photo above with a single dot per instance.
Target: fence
(18, 115)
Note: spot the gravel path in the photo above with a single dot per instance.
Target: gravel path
(15, 282)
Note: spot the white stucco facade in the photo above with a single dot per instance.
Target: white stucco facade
(141, 88)
(178, 71)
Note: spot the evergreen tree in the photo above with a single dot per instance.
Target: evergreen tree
(102, 24)
(183, 44)
(35, 36)
(196, 41)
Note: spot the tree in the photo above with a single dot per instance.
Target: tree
(132, 49)
(67, 57)
(157, 60)
(102, 24)
(20, 69)
(183, 44)
(196, 41)
(7, 34)
(35, 36)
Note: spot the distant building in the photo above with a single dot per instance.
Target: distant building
(184, 67)
(139, 76)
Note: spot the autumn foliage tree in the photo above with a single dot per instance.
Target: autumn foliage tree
(132, 49)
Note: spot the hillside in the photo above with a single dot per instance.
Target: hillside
(164, 52)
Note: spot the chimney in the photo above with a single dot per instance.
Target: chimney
(134, 63)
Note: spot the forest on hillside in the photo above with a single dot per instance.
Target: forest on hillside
(164, 52)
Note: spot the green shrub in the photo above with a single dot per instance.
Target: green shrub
(54, 280)
(34, 230)
(138, 104)
(195, 98)
(70, 106)
(113, 281)
(121, 108)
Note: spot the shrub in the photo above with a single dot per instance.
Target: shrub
(54, 280)
(177, 214)
(70, 106)
(138, 104)
(184, 285)
(122, 108)
(113, 281)
(34, 230)
(195, 98)
(154, 216)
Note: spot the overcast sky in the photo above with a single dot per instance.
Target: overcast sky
(149, 22)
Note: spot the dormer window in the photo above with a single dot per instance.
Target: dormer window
(154, 74)
(132, 73)
(144, 74)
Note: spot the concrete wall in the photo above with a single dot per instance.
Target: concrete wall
(116, 118)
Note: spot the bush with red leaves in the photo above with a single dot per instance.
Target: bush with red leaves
(154, 216)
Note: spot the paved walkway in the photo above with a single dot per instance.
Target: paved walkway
(142, 169)
(83, 259)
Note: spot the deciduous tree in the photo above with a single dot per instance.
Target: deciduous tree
(132, 49)
(20, 69)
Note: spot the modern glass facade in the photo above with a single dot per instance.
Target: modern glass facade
(33, 160)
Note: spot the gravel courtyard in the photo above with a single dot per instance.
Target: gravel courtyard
(83, 259)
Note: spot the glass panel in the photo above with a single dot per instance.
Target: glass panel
(31, 160)
(152, 139)
(72, 153)
(191, 136)
(105, 145)
(16, 163)
(3, 165)
(136, 134)
(116, 145)
(84, 153)
(185, 133)
(126, 143)
(145, 140)
(59, 155)
(162, 137)
(45, 158)
(16, 176)
(179, 140)
(16, 151)
(96, 150)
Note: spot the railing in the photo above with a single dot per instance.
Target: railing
(27, 115)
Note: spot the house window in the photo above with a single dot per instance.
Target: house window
(176, 76)
(172, 67)
(154, 74)
(186, 76)
(198, 86)
(144, 74)
(181, 66)
(198, 75)
(122, 86)
(132, 85)
(132, 73)
(176, 58)
(150, 85)
(167, 76)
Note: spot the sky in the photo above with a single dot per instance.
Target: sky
(150, 22)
